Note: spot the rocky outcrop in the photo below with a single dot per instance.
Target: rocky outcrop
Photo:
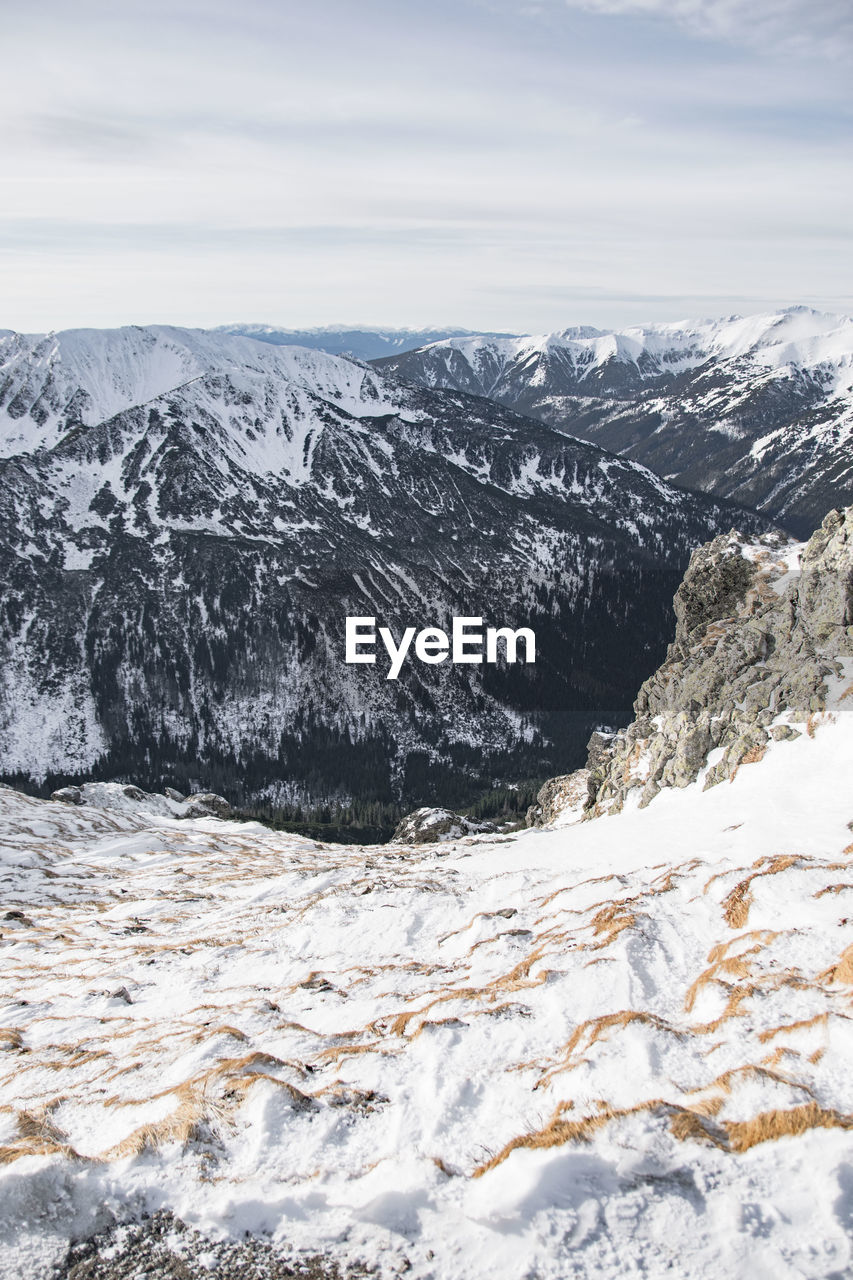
(762, 626)
(560, 799)
(128, 798)
(433, 826)
(204, 803)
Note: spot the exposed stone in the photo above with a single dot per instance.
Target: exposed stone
(68, 795)
(756, 640)
(566, 796)
(205, 803)
(433, 826)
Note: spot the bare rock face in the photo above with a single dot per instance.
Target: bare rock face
(761, 626)
(68, 795)
(204, 803)
(433, 826)
(562, 799)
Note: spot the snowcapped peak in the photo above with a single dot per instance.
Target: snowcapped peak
(53, 382)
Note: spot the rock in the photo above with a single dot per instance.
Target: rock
(68, 795)
(784, 733)
(563, 798)
(599, 748)
(755, 642)
(171, 794)
(432, 826)
(134, 793)
(18, 917)
(203, 804)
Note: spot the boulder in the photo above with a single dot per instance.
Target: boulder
(203, 804)
(68, 795)
(433, 826)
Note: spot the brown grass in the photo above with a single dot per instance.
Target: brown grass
(38, 1136)
(841, 971)
(768, 1126)
(611, 921)
(594, 1029)
(819, 1020)
(686, 1124)
(737, 903)
(738, 966)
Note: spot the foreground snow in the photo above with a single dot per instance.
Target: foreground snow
(617, 1048)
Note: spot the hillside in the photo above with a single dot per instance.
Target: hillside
(186, 520)
(622, 1038)
(758, 409)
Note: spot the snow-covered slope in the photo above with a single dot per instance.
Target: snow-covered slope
(186, 520)
(617, 1048)
(758, 408)
(50, 384)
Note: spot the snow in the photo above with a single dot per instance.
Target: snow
(112, 370)
(797, 336)
(340, 1045)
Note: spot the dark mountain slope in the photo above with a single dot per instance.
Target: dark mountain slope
(177, 573)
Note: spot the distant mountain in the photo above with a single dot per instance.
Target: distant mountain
(186, 519)
(363, 344)
(758, 410)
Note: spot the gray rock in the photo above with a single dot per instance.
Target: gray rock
(68, 795)
(754, 641)
(433, 826)
(204, 803)
(566, 794)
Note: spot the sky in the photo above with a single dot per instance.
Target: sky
(492, 164)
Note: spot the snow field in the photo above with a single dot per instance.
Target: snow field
(620, 1047)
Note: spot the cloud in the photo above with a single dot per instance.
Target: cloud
(507, 164)
(792, 26)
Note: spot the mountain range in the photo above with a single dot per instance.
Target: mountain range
(758, 409)
(362, 343)
(187, 517)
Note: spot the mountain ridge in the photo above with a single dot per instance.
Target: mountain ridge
(178, 572)
(757, 409)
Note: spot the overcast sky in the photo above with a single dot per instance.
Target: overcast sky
(497, 164)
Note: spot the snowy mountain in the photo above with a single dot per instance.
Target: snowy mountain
(187, 518)
(363, 344)
(758, 410)
(616, 1047)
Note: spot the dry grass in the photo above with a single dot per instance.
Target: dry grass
(38, 1136)
(610, 921)
(594, 1029)
(768, 1126)
(685, 1123)
(841, 971)
(738, 966)
(803, 1024)
(737, 903)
